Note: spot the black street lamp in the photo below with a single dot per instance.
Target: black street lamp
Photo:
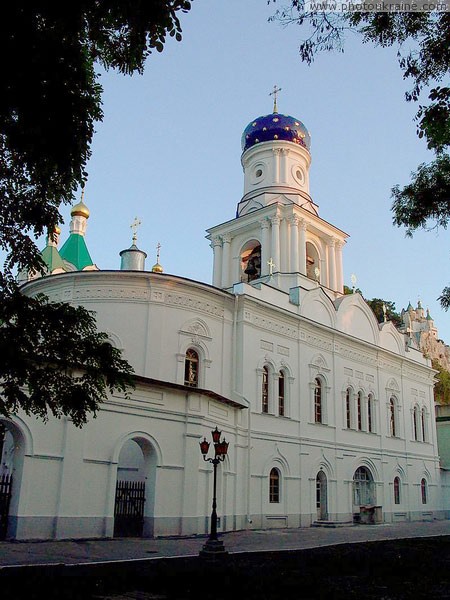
(214, 546)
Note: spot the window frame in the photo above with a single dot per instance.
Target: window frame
(424, 490)
(265, 390)
(274, 486)
(370, 413)
(359, 411)
(281, 393)
(318, 400)
(393, 422)
(348, 407)
(192, 378)
(397, 490)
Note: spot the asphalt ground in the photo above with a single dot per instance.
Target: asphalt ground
(15, 554)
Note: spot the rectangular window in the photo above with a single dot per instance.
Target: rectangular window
(359, 411)
(318, 401)
(265, 390)
(348, 409)
(281, 394)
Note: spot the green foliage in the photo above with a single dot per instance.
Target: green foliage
(426, 197)
(423, 44)
(45, 370)
(51, 100)
(377, 304)
(53, 359)
(442, 386)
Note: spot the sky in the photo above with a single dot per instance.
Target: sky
(168, 150)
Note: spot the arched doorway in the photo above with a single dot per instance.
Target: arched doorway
(363, 490)
(135, 489)
(321, 496)
(12, 449)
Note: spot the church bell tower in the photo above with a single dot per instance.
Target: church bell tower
(277, 236)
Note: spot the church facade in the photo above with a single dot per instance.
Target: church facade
(329, 415)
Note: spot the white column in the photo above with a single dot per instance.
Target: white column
(276, 241)
(265, 250)
(226, 253)
(339, 267)
(332, 263)
(284, 246)
(302, 247)
(284, 165)
(276, 165)
(294, 220)
(216, 245)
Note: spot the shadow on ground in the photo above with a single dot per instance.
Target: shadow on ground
(391, 570)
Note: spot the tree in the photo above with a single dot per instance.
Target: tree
(379, 306)
(56, 361)
(442, 386)
(423, 43)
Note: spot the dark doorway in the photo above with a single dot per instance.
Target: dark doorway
(129, 509)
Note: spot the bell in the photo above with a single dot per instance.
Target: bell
(251, 269)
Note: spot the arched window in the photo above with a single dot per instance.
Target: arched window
(363, 489)
(348, 407)
(265, 390)
(191, 363)
(281, 394)
(370, 426)
(318, 414)
(274, 486)
(359, 410)
(397, 490)
(424, 426)
(312, 262)
(416, 423)
(392, 417)
(251, 261)
(424, 491)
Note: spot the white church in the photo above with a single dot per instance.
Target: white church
(329, 415)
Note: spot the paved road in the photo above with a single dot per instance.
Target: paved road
(93, 551)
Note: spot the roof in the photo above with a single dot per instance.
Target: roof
(52, 258)
(192, 390)
(75, 252)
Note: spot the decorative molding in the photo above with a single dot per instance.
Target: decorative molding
(194, 303)
(357, 355)
(197, 329)
(275, 326)
(266, 345)
(105, 293)
(283, 350)
(319, 342)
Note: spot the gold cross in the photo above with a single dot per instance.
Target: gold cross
(271, 266)
(134, 225)
(274, 94)
(158, 248)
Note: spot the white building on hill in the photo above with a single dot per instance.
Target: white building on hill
(328, 414)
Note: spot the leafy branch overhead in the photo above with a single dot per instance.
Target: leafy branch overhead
(423, 48)
(54, 359)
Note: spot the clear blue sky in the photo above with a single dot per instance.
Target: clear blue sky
(168, 150)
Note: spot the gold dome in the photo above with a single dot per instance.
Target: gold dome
(157, 268)
(80, 209)
(57, 230)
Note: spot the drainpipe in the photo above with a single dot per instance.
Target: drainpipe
(236, 393)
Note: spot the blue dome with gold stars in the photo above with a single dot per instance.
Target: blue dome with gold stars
(275, 127)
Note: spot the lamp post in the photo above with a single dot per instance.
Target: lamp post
(214, 546)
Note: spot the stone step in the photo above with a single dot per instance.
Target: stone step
(333, 524)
